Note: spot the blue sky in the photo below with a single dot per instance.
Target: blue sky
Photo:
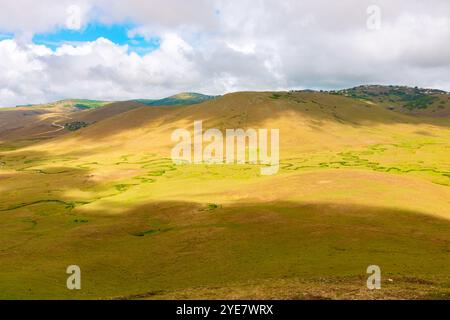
(117, 33)
(4, 36)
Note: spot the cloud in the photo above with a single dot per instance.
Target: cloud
(216, 46)
(98, 69)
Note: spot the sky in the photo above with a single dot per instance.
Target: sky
(120, 50)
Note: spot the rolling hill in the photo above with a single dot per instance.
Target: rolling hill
(364, 179)
(34, 122)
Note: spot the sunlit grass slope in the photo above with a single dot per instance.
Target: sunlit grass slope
(359, 184)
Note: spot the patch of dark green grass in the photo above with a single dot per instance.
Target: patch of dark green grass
(68, 205)
(211, 207)
(276, 96)
(80, 220)
(123, 187)
(150, 232)
(74, 126)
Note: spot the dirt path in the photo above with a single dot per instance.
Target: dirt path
(55, 124)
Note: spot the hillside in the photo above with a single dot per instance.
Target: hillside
(359, 183)
(405, 99)
(48, 121)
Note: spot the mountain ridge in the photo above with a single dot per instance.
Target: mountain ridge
(366, 102)
(410, 98)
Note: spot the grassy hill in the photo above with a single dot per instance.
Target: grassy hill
(359, 184)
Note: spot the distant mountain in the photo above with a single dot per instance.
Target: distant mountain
(69, 104)
(186, 98)
(83, 104)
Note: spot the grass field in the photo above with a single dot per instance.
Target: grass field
(358, 185)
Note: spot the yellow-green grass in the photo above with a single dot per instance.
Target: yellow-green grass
(171, 246)
(358, 185)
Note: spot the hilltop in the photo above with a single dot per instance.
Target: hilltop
(66, 105)
(401, 98)
(185, 98)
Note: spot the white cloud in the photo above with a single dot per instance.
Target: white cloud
(98, 69)
(215, 46)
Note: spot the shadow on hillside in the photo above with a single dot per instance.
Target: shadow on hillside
(164, 246)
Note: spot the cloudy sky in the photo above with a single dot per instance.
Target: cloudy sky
(117, 49)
